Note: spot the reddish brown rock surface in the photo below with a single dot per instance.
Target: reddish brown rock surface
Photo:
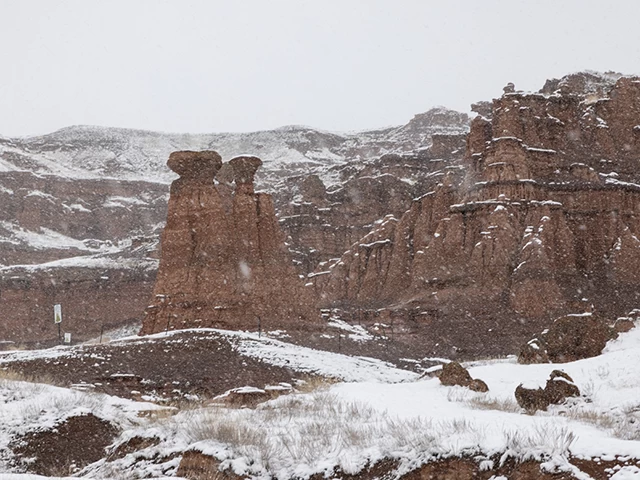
(558, 388)
(570, 338)
(87, 244)
(223, 260)
(453, 373)
(545, 223)
(105, 188)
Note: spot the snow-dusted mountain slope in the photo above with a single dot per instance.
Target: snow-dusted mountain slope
(98, 152)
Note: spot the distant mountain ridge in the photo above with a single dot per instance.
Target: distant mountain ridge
(128, 154)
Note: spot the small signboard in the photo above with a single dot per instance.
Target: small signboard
(67, 337)
(57, 313)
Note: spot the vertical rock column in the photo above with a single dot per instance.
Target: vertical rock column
(268, 288)
(223, 259)
(187, 247)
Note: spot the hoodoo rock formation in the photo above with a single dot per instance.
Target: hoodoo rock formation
(545, 223)
(223, 260)
(82, 209)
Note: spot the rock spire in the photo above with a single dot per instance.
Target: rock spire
(223, 259)
(545, 223)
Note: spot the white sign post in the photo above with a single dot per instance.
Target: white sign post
(57, 317)
(67, 338)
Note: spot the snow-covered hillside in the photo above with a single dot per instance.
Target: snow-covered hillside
(376, 413)
(99, 152)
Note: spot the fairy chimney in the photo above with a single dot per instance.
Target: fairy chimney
(223, 259)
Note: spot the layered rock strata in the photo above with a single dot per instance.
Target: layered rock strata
(322, 223)
(223, 260)
(88, 195)
(545, 222)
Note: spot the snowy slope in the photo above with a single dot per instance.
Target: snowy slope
(98, 152)
(384, 413)
(415, 421)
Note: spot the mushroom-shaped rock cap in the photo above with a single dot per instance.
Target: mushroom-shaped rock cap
(203, 165)
(244, 168)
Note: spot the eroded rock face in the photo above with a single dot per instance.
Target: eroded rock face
(223, 262)
(570, 338)
(545, 223)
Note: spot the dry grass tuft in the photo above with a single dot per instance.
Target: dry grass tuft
(10, 375)
(486, 402)
(314, 383)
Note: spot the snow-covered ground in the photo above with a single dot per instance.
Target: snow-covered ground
(352, 424)
(25, 407)
(375, 412)
(276, 352)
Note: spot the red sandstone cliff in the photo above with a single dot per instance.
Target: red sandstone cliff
(223, 261)
(545, 222)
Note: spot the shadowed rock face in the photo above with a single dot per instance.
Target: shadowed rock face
(223, 262)
(545, 223)
(570, 338)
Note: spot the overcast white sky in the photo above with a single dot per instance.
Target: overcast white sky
(213, 66)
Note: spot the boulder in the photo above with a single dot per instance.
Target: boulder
(478, 385)
(532, 399)
(453, 373)
(575, 337)
(570, 338)
(558, 388)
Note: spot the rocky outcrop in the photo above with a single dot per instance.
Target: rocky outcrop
(570, 338)
(558, 388)
(322, 223)
(44, 218)
(223, 261)
(544, 223)
(453, 373)
(85, 191)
